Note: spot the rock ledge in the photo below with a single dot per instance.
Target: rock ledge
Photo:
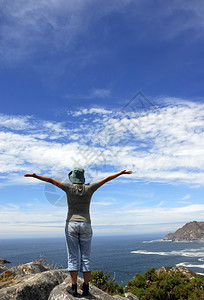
(34, 281)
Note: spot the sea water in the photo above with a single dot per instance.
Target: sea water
(122, 256)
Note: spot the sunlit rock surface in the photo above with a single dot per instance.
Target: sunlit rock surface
(192, 231)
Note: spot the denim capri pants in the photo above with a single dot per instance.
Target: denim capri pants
(78, 238)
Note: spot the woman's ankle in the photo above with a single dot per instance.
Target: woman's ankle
(85, 289)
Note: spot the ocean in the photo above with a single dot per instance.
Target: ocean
(123, 256)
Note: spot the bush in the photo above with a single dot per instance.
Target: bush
(172, 285)
(154, 285)
(138, 282)
(150, 274)
(102, 281)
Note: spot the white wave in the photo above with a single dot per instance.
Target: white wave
(195, 250)
(185, 252)
(187, 265)
(145, 252)
(201, 259)
(200, 273)
(154, 241)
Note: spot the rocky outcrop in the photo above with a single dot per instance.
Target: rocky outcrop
(175, 269)
(29, 281)
(191, 231)
(60, 292)
(34, 281)
(4, 261)
(23, 270)
(2, 269)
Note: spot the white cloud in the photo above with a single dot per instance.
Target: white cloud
(38, 222)
(166, 146)
(86, 111)
(128, 218)
(105, 201)
(15, 122)
(186, 197)
(130, 215)
(101, 203)
(99, 93)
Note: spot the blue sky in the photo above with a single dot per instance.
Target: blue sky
(106, 86)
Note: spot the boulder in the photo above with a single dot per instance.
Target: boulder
(60, 292)
(131, 296)
(33, 287)
(4, 261)
(23, 270)
(2, 269)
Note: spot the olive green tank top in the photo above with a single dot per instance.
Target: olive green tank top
(78, 200)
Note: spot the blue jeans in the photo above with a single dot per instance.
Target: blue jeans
(78, 237)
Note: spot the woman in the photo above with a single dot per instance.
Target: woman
(78, 224)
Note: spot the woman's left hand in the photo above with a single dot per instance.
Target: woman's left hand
(126, 172)
(30, 175)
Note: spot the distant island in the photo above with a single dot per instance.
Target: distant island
(192, 231)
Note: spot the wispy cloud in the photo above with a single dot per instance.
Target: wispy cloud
(164, 145)
(15, 122)
(128, 218)
(129, 215)
(96, 94)
(27, 220)
(94, 110)
(99, 93)
(186, 197)
(35, 127)
(30, 26)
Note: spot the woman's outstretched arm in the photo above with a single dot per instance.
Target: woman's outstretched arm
(113, 176)
(44, 178)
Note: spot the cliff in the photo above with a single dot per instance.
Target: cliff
(35, 281)
(192, 231)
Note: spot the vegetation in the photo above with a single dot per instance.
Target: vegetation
(102, 281)
(167, 283)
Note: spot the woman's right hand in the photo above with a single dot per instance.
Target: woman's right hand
(126, 172)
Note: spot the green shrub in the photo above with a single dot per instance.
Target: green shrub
(150, 274)
(99, 279)
(138, 282)
(154, 285)
(102, 281)
(172, 285)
